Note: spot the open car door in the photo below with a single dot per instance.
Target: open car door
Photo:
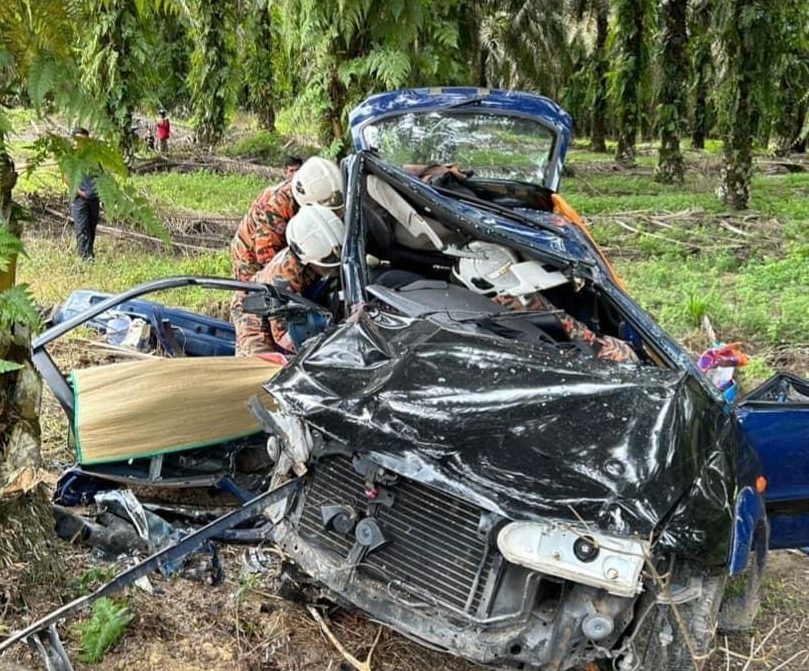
(775, 419)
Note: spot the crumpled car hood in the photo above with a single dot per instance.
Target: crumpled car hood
(523, 430)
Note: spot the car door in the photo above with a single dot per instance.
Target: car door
(775, 419)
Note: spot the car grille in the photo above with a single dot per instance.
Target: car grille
(433, 545)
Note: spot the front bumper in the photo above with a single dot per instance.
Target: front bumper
(437, 576)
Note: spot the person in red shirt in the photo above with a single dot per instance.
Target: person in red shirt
(163, 131)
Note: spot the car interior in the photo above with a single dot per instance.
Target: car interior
(411, 254)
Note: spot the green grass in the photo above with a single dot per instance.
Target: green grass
(259, 144)
(201, 191)
(754, 288)
(53, 270)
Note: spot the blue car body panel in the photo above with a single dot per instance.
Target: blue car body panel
(195, 334)
(750, 519)
(778, 429)
(512, 103)
(776, 435)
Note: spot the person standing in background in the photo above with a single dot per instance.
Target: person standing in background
(85, 206)
(163, 131)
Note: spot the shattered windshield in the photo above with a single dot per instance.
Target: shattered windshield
(493, 146)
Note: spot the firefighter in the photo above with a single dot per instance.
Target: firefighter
(291, 165)
(496, 271)
(260, 235)
(314, 241)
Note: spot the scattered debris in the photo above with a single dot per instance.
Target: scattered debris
(180, 549)
(353, 661)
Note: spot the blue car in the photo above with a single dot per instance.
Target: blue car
(473, 477)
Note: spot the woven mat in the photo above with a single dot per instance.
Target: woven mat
(142, 408)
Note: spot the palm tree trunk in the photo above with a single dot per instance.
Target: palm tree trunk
(29, 558)
(598, 135)
(671, 95)
(737, 167)
(631, 24)
(8, 179)
(210, 73)
(699, 127)
(701, 64)
(799, 146)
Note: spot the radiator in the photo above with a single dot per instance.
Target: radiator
(433, 546)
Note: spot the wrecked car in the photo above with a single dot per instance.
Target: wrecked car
(470, 476)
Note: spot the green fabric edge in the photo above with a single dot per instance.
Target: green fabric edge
(74, 382)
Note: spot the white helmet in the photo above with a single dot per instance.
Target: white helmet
(494, 270)
(318, 181)
(315, 235)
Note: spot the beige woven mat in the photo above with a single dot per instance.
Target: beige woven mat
(141, 408)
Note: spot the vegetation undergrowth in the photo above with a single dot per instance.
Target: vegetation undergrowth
(53, 272)
(266, 147)
(104, 628)
(684, 257)
(201, 191)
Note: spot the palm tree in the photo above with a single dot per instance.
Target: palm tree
(37, 56)
(599, 10)
(117, 59)
(671, 96)
(347, 50)
(526, 44)
(35, 48)
(259, 61)
(748, 32)
(630, 71)
(211, 77)
(791, 100)
(702, 70)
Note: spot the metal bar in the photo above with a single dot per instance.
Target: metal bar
(171, 553)
(156, 467)
(353, 266)
(55, 380)
(148, 287)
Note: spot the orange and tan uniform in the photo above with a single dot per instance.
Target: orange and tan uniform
(261, 234)
(608, 347)
(255, 335)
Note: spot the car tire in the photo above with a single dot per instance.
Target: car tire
(662, 645)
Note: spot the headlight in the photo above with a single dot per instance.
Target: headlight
(575, 553)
